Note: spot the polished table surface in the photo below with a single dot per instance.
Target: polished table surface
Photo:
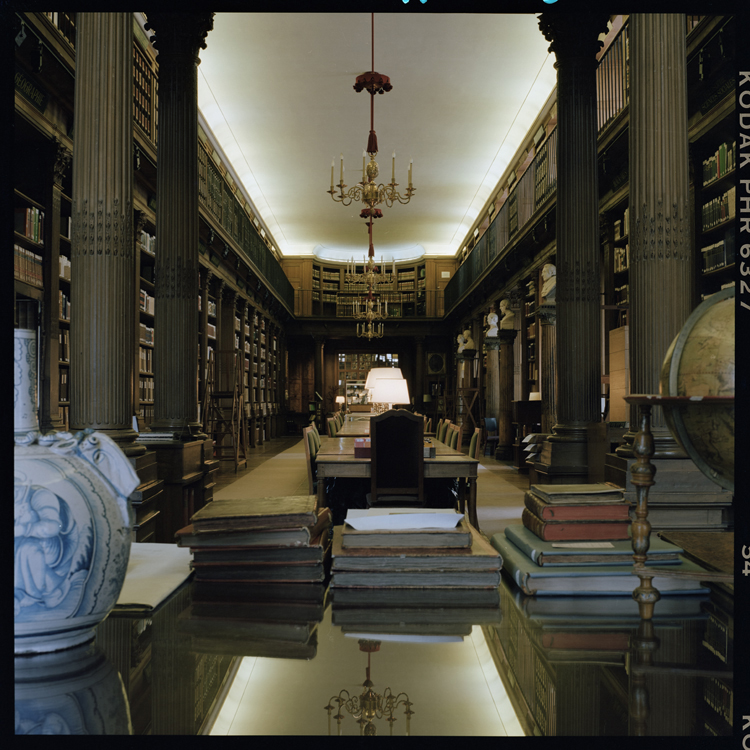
(608, 674)
(336, 459)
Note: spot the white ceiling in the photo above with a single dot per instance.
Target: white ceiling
(276, 90)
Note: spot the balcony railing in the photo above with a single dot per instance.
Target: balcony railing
(539, 182)
(612, 80)
(532, 190)
(422, 303)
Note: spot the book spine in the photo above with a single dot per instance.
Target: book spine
(573, 531)
(547, 512)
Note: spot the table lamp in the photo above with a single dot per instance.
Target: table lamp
(340, 400)
(392, 373)
(389, 391)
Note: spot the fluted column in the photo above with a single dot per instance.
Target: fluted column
(203, 355)
(492, 386)
(318, 372)
(505, 394)
(574, 42)
(547, 314)
(418, 387)
(102, 254)
(660, 254)
(179, 36)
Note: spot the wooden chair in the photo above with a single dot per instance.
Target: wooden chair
(443, 430)
(331, 422)
(311, 451)
(428, 424)
(493, 437)
(454, 437)
(476, 442)
(397, 458)
(438, 427)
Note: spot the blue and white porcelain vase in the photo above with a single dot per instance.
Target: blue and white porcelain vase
(77, 691)
(71, 522)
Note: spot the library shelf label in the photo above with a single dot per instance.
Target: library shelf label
(71, 525)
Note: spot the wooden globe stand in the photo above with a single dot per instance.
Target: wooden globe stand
(642, 472)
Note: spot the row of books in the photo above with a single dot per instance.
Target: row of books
(146, 334)
(146, 302)
(148, 242)
(146, 390)
(64, 267)
(718, 209)
(260, 567)
(621, 259)
(720, 163)
(63, 384)
(64, 302)
(30, 223)
(27, 266)
(63, 353)
(622, 294)
(719, 254)
(420, 554)
(145, 359)
(622, 226)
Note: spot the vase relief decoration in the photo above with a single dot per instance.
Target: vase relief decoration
(71, 522)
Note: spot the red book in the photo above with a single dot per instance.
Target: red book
(575, 530)
(549, 512)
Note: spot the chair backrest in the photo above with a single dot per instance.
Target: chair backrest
(490, 424)
(428, 425)
(475, 443)
(311, 451)
(397, 455)
(331, 422)
(443, 430)
(438, 427)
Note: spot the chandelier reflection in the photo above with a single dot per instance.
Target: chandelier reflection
(368, 706)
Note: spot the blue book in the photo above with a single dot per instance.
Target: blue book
(586, 580)
(615, 552)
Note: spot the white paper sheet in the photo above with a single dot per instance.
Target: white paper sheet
(390, 519)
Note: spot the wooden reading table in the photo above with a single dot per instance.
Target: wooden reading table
(336, 459)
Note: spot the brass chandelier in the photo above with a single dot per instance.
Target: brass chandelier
(371, 195)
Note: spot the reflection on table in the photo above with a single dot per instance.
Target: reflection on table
(572, 666)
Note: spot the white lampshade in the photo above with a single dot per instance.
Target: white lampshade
(391, 373)
(389, 391)
(340, 399)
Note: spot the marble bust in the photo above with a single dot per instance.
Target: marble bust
(492, 323)
(549, 279)
(508, 320)
(465, 341)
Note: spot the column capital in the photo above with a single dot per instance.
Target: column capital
(492, 343)
(547, 313)
(573, 36)
(62, 157)
(177, 34)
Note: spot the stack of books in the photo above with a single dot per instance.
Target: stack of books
(576, 512)
(574, 540)
(259, 540)
(405, 548)
(260, 567)
(587, 568)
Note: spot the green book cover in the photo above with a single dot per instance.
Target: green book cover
(582, 580)
(611, 552)
(256, 513)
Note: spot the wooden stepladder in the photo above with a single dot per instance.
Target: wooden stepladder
(224, 410)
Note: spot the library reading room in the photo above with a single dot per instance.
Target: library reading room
(446, 455)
